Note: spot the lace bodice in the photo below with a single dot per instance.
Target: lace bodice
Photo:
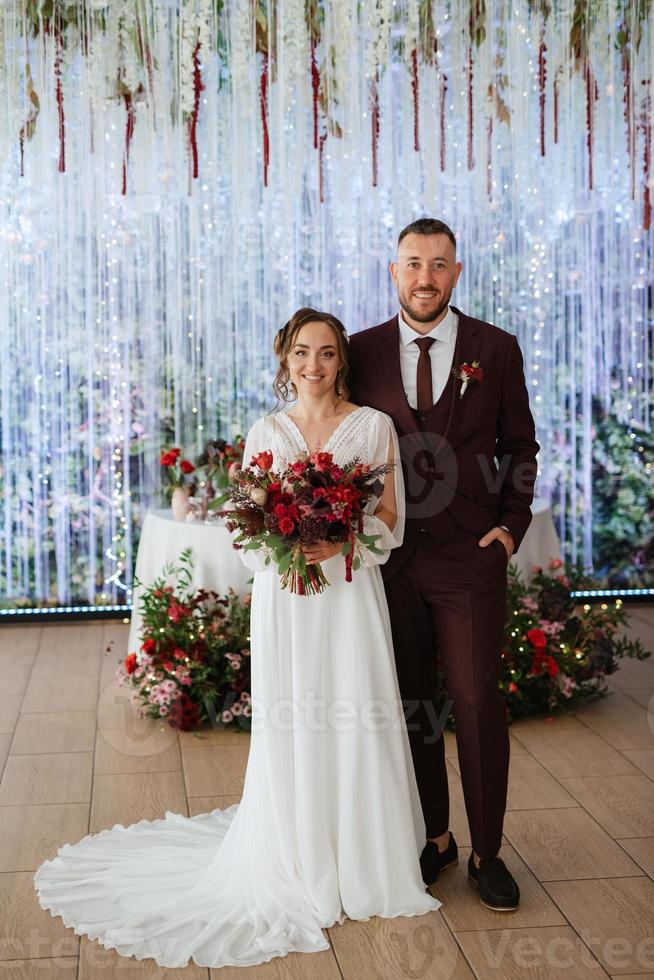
(349, 439)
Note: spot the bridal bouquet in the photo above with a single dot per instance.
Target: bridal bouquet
(311, 500)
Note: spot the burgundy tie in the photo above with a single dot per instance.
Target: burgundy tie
(423, 375)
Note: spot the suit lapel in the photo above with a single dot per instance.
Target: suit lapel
(389, 351)
(466, 351)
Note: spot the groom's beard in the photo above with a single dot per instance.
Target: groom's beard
(425, 317)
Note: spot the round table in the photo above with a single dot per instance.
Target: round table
(541, 542)
(217, 565)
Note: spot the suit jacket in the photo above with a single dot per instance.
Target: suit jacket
(470, 463)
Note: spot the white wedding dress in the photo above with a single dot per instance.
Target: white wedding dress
(330, 823)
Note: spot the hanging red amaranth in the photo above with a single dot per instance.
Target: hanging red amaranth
(349, 558)
(647, 154)
(556, 110)
(129, 132)
(315, 85)
(321, 179)
(263, 98)
(542, 77)
(443, 96)
(374, 124)
(471, 159)
(489, 160)
(198, 88)
(416, 100)
(60, 101)
(590, 93)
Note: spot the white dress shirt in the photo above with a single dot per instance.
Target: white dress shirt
(441, 353)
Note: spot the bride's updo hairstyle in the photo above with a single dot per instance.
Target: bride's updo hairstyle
(285, 341)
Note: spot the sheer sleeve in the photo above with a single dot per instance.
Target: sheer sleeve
(256, 441)
(384, 448)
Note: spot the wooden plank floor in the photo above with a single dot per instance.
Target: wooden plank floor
(579, 829)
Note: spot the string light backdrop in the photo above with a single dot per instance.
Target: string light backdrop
(178, 178)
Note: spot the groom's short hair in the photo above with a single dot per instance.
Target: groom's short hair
(427, 226)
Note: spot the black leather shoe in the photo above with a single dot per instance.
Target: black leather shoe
(497, 888)
(433, 861)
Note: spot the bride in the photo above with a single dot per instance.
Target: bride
(330, 823)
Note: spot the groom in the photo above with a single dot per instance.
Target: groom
(455, 389)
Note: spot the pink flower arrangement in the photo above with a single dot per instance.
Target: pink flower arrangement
(194, 653)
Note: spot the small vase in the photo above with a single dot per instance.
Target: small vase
(180, 503)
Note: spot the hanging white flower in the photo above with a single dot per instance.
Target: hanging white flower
(411, 27)
(377, 22)
(188, 41)
(242, 53)
(295, 40)
(128, 62)
(338, 16)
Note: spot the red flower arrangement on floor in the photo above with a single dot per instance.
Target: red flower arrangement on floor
(193, 664)
(311, 500)
(557, 654)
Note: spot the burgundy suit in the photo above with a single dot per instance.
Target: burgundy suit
(446, 595)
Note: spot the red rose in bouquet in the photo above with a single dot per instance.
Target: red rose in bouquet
(311, 500)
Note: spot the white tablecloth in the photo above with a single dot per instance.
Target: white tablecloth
(217, 565)
(541, 542)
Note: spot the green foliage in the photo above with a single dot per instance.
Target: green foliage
(623, 502)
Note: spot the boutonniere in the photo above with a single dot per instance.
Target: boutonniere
(467, 373)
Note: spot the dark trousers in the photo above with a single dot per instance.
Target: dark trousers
(449, 599)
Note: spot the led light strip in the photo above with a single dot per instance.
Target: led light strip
(50, 610)
(601, 593)
(127, 608)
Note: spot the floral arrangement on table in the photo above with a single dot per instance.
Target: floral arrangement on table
(193, 664)
(220, 462)
(311, 500)
(192, 487)
(556, 653)
(177, 470)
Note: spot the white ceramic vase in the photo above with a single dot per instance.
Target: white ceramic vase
(180, 503)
